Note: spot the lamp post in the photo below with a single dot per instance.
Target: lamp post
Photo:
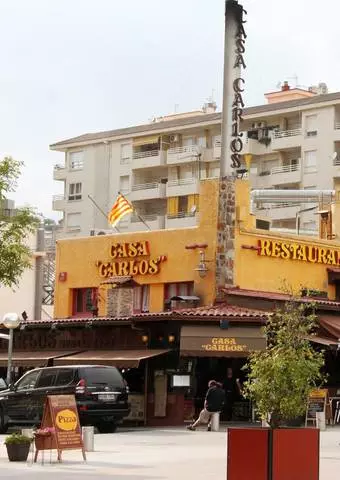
(10, 321)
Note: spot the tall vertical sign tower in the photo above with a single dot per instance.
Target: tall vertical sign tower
(232, 140)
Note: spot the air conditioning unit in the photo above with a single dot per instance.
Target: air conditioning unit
(175, 138)
(101, 231)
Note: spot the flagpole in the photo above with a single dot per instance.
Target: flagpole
(101, 211)
(139, 216)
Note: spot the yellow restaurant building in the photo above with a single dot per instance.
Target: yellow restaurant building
(150, 303)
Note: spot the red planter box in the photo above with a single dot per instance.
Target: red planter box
(280, 454)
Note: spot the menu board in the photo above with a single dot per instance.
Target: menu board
(316, 403)
(61, 423)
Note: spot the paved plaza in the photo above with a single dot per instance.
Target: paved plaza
(168, 454)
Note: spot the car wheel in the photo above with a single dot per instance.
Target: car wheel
(107, 427)
(3, 425)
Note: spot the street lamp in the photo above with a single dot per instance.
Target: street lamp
(10, 321)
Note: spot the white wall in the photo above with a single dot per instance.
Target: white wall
(21, 298)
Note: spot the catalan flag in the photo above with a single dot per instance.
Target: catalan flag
(120, 208)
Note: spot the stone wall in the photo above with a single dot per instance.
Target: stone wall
(120, 302)
(225, 251)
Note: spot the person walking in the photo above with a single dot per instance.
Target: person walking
(214, 401)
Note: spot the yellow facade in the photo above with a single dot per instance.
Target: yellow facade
(281, 262)
(85, 262)
(263, 261)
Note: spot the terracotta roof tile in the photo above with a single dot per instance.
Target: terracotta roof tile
(240, 292)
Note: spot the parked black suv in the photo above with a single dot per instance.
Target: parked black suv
(100, 391)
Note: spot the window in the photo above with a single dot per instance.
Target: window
(188, 141)
(73, 220)
(202, 141)
(180, 288)
(65, 376)
(46, 379)
(76, 160)
(141, 299)
(183, 204)
(28, 381)
(74, 191)
(84, 301)
(311, 125)
(125, 153)
(310, 161)
(124, 184)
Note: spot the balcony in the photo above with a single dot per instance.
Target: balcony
(184, 186)
(58, 202)
(286, 139)
(180, 155)
(147, 191)
(59, 172)
(181, 220)
(253, 147)
(153, 158)
(154, 222)
(285, 174)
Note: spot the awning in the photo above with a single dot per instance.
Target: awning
(212, 341)
(330, 323)
(117, 358)
(32, 359)
(137, 142)
(322, 340)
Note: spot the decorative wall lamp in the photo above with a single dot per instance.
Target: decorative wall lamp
(171, 338)
(145, 339)
(201, 268)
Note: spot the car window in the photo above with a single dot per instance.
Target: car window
(28, 381)
(46, 378)
(64, 376)
(3, 383)
(102, 376)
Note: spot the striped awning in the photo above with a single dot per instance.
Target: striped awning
(145, 140)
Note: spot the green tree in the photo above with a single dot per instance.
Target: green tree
(282, 376)
(15, 255)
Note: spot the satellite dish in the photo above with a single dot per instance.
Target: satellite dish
(335, 156)
(193, 209)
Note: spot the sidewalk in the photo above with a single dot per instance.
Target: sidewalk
(154, 454)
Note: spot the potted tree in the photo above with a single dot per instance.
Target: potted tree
(280, 380)
(18, 447)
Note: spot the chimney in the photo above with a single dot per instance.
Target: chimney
(285, 87)
(209, 107)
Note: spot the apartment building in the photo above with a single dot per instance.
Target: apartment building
(294, 140)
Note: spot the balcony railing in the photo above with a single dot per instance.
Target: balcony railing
(287, 133)
(190, 149)
(336, 161)
(181, 215)
(145, 186)
(150, 153)
(58, 198)
(146, 218)
(337, 126)
(181, 181)
(285, 169)
(59, 166)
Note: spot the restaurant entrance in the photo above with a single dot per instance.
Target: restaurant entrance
(227, 371)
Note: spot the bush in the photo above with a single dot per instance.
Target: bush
(282, 376)
(17, 439)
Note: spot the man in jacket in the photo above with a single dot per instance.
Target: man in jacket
(214, 401)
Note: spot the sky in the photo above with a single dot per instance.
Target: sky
(69, 67)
